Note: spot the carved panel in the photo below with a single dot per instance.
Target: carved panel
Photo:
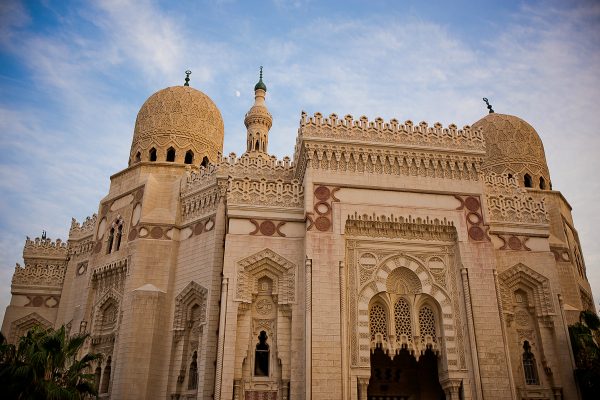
(270, 264)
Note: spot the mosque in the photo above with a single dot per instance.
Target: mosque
(384, 261)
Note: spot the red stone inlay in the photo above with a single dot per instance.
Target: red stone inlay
(474, 218)
(514, 243)
(322, 208)
(322, 193)
(322, 224)
(156, 232)
(476, 233)
(472, 203)
(198, 228)
(267, 228)
(38, 301)
(132, 235)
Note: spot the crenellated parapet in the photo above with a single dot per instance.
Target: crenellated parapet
(507, 202)
(392, 132)
(232, 165)
(265, 192)
(272, 184)
(44, 248)
(80, 230)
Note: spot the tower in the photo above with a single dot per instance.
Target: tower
(258, 121)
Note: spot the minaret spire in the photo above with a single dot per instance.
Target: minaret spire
(258, 121)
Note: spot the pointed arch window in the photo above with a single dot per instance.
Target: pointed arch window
(204, 162)
(189, 157)
(118, 237)
(152, 154)
(527, 181)
(402, 320)
(257, 144)
(542, 183)
(427, 324)
(261, 356)
(529, 367)
(97, 376)
(111, 238)
(138, 157)
(171, 154)
(193, 373)
(378, 322)
(106, 376)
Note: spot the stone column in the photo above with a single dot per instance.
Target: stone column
(308, 319)
(503, 326)
(363, 383)
(221, 342)
(451, 388)
(471, 325)
(344, 332)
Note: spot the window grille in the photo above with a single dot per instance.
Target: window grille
(378, 321)
(402, 319)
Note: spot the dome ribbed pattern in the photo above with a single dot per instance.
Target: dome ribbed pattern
(512, 146)
(180, 117)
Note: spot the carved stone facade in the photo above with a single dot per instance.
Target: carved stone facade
(387, 260)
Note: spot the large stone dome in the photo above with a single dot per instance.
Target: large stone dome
(514, 147)
(179, 120)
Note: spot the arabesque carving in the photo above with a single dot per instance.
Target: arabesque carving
(400, 227)
(507, 202)
(192, 293)
(521, 276)
(270, 264)
(20, 326)
(39, 275)
(355, 158)
(265, 192)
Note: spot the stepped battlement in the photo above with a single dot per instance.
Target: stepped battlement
(379, 131)
(85, 228)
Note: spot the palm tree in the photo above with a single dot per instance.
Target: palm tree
(44, 365)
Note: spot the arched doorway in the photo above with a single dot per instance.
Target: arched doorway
(403, 377)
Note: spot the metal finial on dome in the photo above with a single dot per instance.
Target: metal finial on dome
(260, 84)
(489, 106)
(187, 78)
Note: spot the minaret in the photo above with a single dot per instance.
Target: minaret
(258, 121)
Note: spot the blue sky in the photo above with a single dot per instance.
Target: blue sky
(73, 75)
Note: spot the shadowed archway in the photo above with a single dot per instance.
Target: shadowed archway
(403, 377)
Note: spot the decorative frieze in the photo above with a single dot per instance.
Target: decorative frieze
(263, 192)
(400, 227)
(352, 158)
(39, 275)
(507, 202)
(392, 132)
(200, 203)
